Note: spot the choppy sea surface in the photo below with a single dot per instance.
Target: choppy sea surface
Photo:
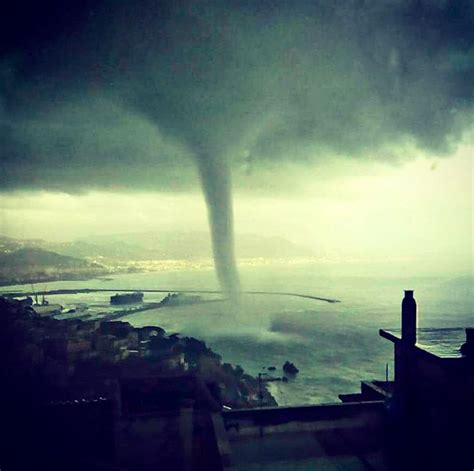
(335, 346)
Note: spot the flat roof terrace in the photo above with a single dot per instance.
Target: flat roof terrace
(326, 437)
(443, 343)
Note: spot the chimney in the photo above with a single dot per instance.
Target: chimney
(470, 335)
(409, 318)
(467, 349)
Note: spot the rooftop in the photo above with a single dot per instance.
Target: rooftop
(329, 437)
(444, 343)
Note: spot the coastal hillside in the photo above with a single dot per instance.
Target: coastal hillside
(34, 264)
(38, 260)
(166, 245)
(32, 257)
(10, 244)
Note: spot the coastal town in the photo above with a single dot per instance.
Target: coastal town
(95, 395)
(71, 352)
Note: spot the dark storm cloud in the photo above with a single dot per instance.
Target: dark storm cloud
(128, 94)
(131, 94)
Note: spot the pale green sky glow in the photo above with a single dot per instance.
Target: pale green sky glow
(419, 210)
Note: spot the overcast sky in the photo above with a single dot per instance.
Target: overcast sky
(412, 213)
(346, 126)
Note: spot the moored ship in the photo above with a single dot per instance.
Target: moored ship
(127, 298)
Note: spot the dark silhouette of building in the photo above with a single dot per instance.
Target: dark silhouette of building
(431, 411)
(423, 420)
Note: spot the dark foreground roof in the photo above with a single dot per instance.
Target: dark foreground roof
(444, 343)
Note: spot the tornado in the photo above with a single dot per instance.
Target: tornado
(126, 95)
(216, 184)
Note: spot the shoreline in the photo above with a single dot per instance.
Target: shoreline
(101, 349)
(274, 391)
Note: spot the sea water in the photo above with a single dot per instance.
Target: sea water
(334, 346)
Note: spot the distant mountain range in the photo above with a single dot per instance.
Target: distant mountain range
(159, 246)
(39, 258)
(32, 264)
